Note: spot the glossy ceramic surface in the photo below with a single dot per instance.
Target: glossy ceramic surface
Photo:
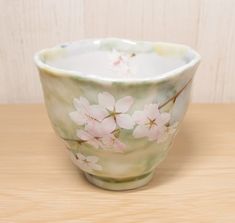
(117, 130)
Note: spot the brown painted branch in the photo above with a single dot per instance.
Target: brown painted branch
(74, 140)
(116, 132)
(175, 96)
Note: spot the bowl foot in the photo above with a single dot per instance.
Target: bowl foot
(119, 184)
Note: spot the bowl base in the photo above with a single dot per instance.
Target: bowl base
(119, 184)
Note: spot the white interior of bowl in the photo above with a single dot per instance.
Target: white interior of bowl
(117, 59)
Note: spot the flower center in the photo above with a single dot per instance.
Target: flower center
(113, 114)
(97, 138)
(151, 123)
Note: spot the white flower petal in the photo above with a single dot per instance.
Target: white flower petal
(162, 137)
(175, 125)
(119, 145)
(84, 166)
(84, 101)
(83, 135)
(98, 131)
(97, 112)
(164, 118)
(93, 129)
(140, 131)
(106, 100)
(108, 125)
(125, 121)
(76, 103)
(110, 141)
(157, 132)
(151, 111)
(90, 125)
(92, 159)
(172, 129)
(139, 117)
(107, 140)
(81, 103)
(95, 166)
(153, 133)
(124, 104)
(87, 164)
(77, 117)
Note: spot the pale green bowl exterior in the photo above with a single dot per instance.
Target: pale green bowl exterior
(133, 165)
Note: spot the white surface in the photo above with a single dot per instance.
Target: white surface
(102, 63)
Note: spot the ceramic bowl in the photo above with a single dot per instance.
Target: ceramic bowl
(117, 130)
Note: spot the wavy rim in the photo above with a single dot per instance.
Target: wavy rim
(91, 77)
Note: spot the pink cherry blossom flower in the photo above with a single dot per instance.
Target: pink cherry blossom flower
(100, 136)
(170, 130)
(116, 111)
(92, 138)
(119, 58)
(93, 134)
(150, 122)
(85, 113)
(111, 141)
(86, 163)
(121, 63)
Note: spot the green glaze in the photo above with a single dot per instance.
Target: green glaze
(133, 165)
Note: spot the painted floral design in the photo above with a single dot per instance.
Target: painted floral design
(100, 136)
(121, 62)
(85, 113)
(86, 163)
(91, 137)
(150, 122)
(116, 111)
(113, 142)
(170, 130)
(101, 124)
